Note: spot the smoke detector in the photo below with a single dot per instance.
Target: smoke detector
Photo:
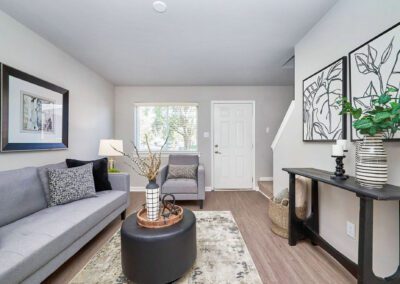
(159, 6)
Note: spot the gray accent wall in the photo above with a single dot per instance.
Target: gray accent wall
(91, 100)
(271, 104)
(346, 26)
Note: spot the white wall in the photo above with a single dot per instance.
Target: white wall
(91, 98)
(271, 105)
(346, 26)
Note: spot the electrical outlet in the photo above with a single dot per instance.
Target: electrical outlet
(351, 229)
(267, 130)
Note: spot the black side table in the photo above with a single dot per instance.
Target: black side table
(152, 256)
(309, 228)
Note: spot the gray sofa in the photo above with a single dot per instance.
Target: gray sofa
(183, 189)
(36, 240)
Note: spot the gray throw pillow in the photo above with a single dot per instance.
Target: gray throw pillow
(67, 185)
(44, 176)
(182, 171)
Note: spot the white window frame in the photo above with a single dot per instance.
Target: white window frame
(165, 153)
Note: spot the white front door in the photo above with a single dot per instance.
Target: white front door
(233, 145)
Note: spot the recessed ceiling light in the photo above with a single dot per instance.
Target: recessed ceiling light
(159, 6)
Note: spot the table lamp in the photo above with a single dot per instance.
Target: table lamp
(111, 148)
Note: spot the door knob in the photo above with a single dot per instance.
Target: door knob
(216, 145)
(217, 152)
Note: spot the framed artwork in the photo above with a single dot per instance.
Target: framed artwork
(321, 91)
(375, 66)
(34, 113)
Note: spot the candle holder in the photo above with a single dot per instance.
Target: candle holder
(340, 171)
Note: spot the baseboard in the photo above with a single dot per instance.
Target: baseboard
(265, 178)
(265, 195)
(138, 189)
(143, 189)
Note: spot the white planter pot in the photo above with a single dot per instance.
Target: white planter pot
(153, 201)
(371, 162)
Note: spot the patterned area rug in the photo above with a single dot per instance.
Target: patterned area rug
(222, 256)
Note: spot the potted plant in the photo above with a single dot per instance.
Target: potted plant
(381, 120)
(148, 165)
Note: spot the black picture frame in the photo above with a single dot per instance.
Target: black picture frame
(6, 145)
(343, 84)
(351, 81)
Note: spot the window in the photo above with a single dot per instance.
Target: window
(158, 120)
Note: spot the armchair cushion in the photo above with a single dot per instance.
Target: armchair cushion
(182, 171)
(179, 186)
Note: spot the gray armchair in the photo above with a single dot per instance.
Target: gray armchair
(183, 189)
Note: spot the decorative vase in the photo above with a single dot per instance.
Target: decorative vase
(357, 157)
(152, 200)
(371, 162)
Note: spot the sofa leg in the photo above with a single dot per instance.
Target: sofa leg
(201, 204)
(123, 215)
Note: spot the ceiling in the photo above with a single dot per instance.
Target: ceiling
(196, 42)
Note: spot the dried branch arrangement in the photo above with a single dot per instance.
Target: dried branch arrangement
(146, 165)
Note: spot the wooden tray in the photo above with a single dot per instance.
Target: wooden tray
(161, 222)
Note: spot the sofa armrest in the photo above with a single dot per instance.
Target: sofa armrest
(121, 182)
(162, 176)
(201, 182)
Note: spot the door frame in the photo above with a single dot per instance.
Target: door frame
(253, 122)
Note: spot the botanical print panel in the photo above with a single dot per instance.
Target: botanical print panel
(321, 112)
(374, 67)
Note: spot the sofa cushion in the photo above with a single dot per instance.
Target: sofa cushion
(100, 172)
(44, 177)
(29, 243)
(21, 194)
(67, 185)
(179, 186)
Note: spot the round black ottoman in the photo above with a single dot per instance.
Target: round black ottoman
(158, 256)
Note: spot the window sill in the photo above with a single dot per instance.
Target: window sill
(167, 153)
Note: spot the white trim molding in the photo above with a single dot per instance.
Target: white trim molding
(143, 189)
(283, 125)
(138, 189)
(265, 179)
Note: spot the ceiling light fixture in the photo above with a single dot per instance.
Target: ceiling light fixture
(159, 6)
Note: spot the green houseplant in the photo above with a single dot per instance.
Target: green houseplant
(383, 117)
(381, 120)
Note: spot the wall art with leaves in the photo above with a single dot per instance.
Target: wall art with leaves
(375, 67)
(321, 118)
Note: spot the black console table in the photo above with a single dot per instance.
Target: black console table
(309, 228)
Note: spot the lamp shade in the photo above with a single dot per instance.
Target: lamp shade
(106, 147)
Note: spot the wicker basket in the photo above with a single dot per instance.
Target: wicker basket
(279, 215)
(279, 211)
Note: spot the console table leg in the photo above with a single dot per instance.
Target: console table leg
(293, 234)
(365, 273)
(314, 207)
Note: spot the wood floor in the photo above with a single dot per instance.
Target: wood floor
(275, 260)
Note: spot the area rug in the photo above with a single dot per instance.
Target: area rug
(222, 256)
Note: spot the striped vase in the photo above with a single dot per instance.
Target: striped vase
(371, 162)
